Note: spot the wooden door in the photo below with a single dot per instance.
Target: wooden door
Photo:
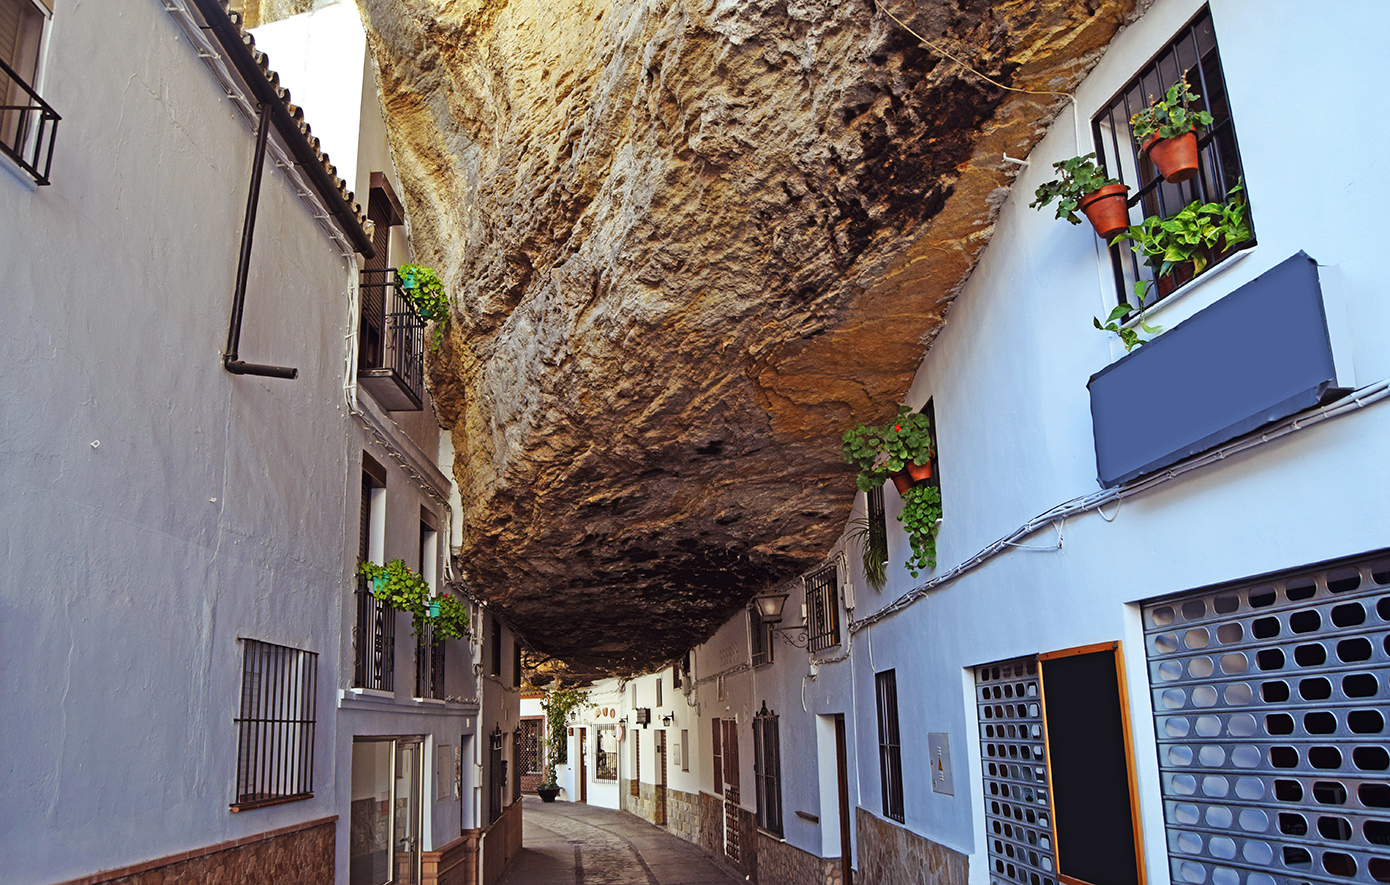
(659, 816)
(732, 818)
(583, 765)
(842, 770)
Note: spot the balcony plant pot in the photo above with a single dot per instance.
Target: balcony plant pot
(1174, 158)
(902, 482)
(378, 585)
(919, 472)
(1107, 209)
(547, 794)
(1182, 274)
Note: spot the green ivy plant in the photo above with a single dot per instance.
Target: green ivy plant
(558, 703)
(425, 290)
(1129, 335)
(921, 510)
(1169, 117)
(1078, 177)
(399, 587)
(864, 447)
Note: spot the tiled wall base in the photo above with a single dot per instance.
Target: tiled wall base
(892, 855)
(783, 864)
(296, 855)
(454, 864)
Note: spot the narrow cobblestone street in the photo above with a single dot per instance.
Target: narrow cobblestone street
(568, 842)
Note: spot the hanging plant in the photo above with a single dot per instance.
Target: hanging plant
(404, 590)
(873, 545)
(426, 292)
(1083, 185)
(920, 513)
(558, 704)
(1166, 130)
(893, 450)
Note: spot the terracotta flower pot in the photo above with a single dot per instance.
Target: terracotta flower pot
(1107, 209)
(1182, 274)
(919, 472)
(903, 482)
(1175, 158)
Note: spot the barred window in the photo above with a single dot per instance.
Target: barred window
(275, 731)
(767, 771)
(822, 609)
(890, 754)
(761, 635)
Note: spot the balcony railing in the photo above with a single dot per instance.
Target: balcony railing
(429, 666)
(26, 128)
(374, 641)
(391, 343)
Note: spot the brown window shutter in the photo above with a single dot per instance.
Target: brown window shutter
(718, 769)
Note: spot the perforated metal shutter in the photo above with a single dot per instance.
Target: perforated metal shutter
(1270, 705)
(1018, 821)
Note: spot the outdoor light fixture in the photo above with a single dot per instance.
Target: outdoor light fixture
(770, 606)
(667, 719)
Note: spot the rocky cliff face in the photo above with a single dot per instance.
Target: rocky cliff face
(689, 244)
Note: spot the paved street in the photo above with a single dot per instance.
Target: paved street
(571, 843)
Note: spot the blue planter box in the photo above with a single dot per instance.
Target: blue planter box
(1259, 354)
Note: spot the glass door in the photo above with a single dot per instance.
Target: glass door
(384, 833)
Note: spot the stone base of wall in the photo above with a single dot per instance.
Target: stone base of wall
(783, 864)
(454, 864)
(296, 855)
(893, 855)
(683, 815)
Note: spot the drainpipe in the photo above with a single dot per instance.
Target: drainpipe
(243, 270)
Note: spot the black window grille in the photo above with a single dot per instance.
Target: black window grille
(822, 610)
(878, 520)
(1192, 53)
(890, 754)
(27, 122)
(767, 771)
(429, 665)
(496, 647)
(658, 691)
(531, 747)
(391, 342)
(496, 775)
(374, 640)
(760, 632)
(275, 730)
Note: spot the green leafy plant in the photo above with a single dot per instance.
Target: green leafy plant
(1129, 335)
(880, 452)
(425, 290)
(399, 587)
(1169, 117)
(1079, 177)
(558, 704)
(873, 545)
(920, 513)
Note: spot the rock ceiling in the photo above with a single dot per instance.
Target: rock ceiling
(689, 244)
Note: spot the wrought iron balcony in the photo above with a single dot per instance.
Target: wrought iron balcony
(429, 666)
(374, 641)
(391, 343)
(26, 129)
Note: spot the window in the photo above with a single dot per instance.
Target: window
(496, 775)
(767, 771)
(275, 728)
(516, 662)
(822, 609)
(760, 637)
(374, 634)
(429, 665)
(717, 769)
(685, 749)
(27, 122)
(1192, 53)
(390, 334)
(605, 753)
(496, 646)
(658, 691)
(890, 754)
(1270, 707)
(633, 785)
(1056, 757)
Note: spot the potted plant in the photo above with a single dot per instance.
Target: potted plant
(873, 543)
(1082, 184)
(1166, 131)
(426, 293)
(558, 704)
(920, 514)
(864, 447)
(901, 449)
(399, 587)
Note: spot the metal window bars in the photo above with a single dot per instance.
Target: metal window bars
(890, 754)
(429, 665)
(822, 610)
(391, 357)
(275, 728)
(1192, 53)
(767, 771)
(28, 125)
(374, 641)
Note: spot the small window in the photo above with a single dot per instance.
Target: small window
(890, 755)
(716, 757)
(496, 646)
(658, 691)
(605, 753)
(633, 786)
(275, 728)
(822, 609)
(767, 771)
(27, 122)
(1191, 54)
(685, 749)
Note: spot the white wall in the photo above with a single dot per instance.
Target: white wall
(156, 508)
